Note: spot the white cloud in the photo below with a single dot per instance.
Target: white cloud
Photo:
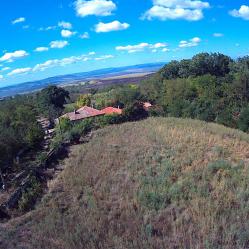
(85, 36)
(190, 43)
(20, 71)
(59, 63)
(41, 49)
(243, 12)
(104, 57)
(58, 44)
(26, 27)
(63, 62)
(94, 7)
(218, 35)
(182, 4)
(18, 20)
(67, 33)
(5, 69)
(159, 45)
(112, 26)
(191, 10)
(10, 57)
(62, 24)
(47, 28)
(53, 63)
(1, 77)
(133, 48)
(195, 40)
(165, 50)
(65, 25)
(141, 47)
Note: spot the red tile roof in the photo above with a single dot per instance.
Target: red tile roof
(112, 110)
(83, 112)
(90, 111)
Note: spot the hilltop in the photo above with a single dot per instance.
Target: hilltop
(156, 183)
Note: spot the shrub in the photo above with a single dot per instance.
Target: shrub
(64, 125)
(110, 119)
(156, 111)
(84, 100)
(135, 112)
(243, 122)
(225, 117)
(30, 196)
(219, 165)
(73, 136)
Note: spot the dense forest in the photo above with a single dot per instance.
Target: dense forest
(209, 87)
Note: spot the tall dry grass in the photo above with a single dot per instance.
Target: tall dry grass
(158, 183)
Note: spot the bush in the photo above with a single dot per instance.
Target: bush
(226, 118)
(135, 112)
(73, 136)
(156, 111)
(219, 165)
(64, 124)
(243, 122)
(30, 196)
(110, 119)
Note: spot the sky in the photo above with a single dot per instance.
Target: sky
(40, 39)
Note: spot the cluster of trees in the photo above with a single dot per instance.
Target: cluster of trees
(210, 87)
(51, 101)
(116, 96)
(20, 131)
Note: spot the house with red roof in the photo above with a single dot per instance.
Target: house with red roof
(112, 110)
(89, 112)
(82, 113)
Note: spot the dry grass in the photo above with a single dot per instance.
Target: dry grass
(158, 183)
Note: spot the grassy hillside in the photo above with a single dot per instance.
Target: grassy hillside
(158, 183)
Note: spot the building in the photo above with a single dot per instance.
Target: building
(82, 113)
(147, 105)
(88, 112)
(112, 110)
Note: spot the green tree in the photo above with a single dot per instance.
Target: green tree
(51, 101)
(134, 112)
(84, 100)
(170, 70)
(243, 122)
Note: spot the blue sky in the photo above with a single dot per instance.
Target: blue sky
(45, 38)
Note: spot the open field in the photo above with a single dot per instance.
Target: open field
(76, 78)
(132, 75)
(157, 183)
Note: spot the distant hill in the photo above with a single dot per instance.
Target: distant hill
(78, 77)
(157, 183)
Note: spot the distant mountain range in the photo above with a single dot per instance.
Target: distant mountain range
(78, 77)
